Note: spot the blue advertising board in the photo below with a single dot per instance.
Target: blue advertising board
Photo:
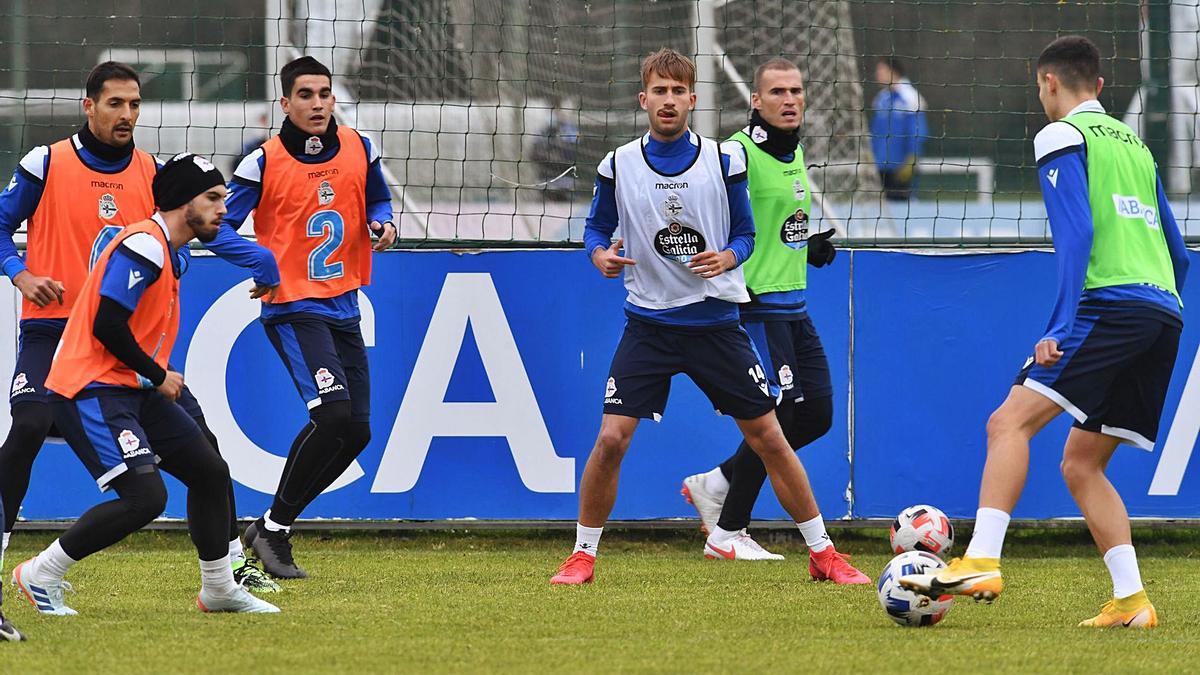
(488, 374)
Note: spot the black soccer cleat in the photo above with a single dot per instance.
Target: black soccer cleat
(9, 632)
(274, 551)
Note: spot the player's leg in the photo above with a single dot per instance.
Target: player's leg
(245, 570)
(31, 419)
(105, 433)
(307, 349)
(8, 632)
(187, 455)
(597, 494)
(352, 354)
(795, 362)
(638, 385)
(1133, 409)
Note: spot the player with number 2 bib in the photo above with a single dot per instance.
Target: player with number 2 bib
(318, 196)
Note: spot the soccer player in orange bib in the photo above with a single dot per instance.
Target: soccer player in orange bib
(76, 195)
(113, 397)
(318, 196)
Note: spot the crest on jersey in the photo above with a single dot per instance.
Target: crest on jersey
(758, 134)
(108, 206)
(313, 146)
(794, 232)
(799, 190)
(672, 206)
(324, 192)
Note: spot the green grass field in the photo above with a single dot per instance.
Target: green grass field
(454, 602)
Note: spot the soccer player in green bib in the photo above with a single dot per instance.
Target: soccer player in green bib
(777, 320)
(1106, 357)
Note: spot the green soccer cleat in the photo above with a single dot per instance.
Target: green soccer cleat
(251, 578)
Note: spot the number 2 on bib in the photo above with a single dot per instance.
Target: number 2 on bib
(331, 226)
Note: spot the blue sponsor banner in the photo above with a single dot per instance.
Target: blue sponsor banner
(939, 340)
(488, 375)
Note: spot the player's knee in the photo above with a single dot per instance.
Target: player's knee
(810, 421)
(1002, 423)
(332, 417)
(358, 435)
(30, 424)
(1077, 470)
(611, 445)
(147, 501)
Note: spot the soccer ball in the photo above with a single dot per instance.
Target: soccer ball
(922, 528)
(903, 606)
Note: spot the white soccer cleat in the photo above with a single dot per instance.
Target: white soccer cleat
(240, 602)
(707, 504)
(46, 597)
(738, 547)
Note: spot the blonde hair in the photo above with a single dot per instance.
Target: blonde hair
(667, 62)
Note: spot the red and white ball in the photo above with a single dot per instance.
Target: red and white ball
(922, 528)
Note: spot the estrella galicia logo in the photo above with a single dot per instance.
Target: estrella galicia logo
(794, 232)
(678, 242)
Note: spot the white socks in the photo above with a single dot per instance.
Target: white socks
(216, 577)
(988, 538)
(236, 551)
(51, 565)
(1122, 566)
(274, 526)
(4, 547)
(720, 536)
(587, 539)
(815, 535)
(716, 483)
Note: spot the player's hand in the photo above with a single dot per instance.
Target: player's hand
(264, 291)
(41, 291)
(609, 260)
(386, 232)
(820, 250)
(1047, 353)
(171, 387)
(709, 264)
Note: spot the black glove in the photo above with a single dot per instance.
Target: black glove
(820, 251)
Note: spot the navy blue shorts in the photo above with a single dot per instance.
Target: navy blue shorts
(723, 363)
(794, 357)
(1114, 372)
(115, 429)
(327, 361)
(35, 352)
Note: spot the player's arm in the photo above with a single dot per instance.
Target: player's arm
(379, 201)
(741, 219)
(1175, 245)
(131, 268)
(18, 201)
(1062, 174)
(602, 222)
(245, 190)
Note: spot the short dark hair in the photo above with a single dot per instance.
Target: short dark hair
(109, 70)
(1074, 59)
(305, 65)
(777, 63)
(895, 64)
